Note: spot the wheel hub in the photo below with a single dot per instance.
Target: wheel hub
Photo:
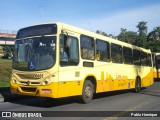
(88, 91)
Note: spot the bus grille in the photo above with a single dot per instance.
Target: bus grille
(32, 83)
(26, 89)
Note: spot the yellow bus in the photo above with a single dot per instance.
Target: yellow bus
(156, 61)
(58, 60)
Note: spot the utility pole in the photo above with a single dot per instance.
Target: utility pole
(41, 9)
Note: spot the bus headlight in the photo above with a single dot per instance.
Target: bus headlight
(47, 81)
(14, 79)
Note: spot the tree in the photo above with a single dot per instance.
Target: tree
(154, 35)
(154, 40)
(101, 32)
(105, 34)
(142, 34)
(142, 27)
(123, 30)
(8, 50)
(127, 36)
(154, 46)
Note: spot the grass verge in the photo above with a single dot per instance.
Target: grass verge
(5, 72)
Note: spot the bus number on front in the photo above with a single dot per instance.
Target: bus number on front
(38, 76)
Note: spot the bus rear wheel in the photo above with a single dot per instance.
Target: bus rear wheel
(87, 92)
(138, 85)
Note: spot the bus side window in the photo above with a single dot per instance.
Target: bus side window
(87, 47)
(127, 55)
(136, 57)
(149, 62)
(102, 50)
(116, 53)
(144, 59)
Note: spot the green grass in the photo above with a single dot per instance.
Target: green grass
(5, 72)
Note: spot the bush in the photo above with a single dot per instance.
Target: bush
(8, 52)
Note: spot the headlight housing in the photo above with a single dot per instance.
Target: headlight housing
(47, 81)
(14, 79)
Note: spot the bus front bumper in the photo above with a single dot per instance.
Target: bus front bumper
(41, 91)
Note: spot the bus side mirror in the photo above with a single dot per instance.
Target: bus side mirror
(65, 33)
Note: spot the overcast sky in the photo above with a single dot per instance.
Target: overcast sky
(106, 15)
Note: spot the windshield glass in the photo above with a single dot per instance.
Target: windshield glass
(34, 53)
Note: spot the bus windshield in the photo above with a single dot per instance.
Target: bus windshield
(34, 53)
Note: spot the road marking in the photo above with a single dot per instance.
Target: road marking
(115, 117)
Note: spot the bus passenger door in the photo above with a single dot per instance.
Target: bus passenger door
(69, 59)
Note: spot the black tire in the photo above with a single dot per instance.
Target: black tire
(138, 85)
(87, 92)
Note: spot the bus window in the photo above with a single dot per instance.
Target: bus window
(144, 59)
(21, 54)
(69, 54)
(157, 61)
(102, 50)
(136, 57)
(149, 62)
(116, 53)
(87, 47)
(31, 54)
(127, 55)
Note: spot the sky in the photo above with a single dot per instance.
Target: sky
(105, 15)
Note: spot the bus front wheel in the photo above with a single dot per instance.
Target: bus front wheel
(87, 92)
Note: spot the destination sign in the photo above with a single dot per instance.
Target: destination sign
(46, 29)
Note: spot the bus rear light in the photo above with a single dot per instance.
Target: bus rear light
(46, 91)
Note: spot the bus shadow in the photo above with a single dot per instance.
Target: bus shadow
(6, 95)
(46, 102)
(151, 93)
(156, 79)
(111, 93)
(51, 102)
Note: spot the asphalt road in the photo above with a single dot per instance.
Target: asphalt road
(147, 100)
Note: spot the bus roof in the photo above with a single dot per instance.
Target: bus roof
(156, 53)
(95, 35)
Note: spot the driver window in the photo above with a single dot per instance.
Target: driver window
(69, 54)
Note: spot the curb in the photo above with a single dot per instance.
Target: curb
(6, 96)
